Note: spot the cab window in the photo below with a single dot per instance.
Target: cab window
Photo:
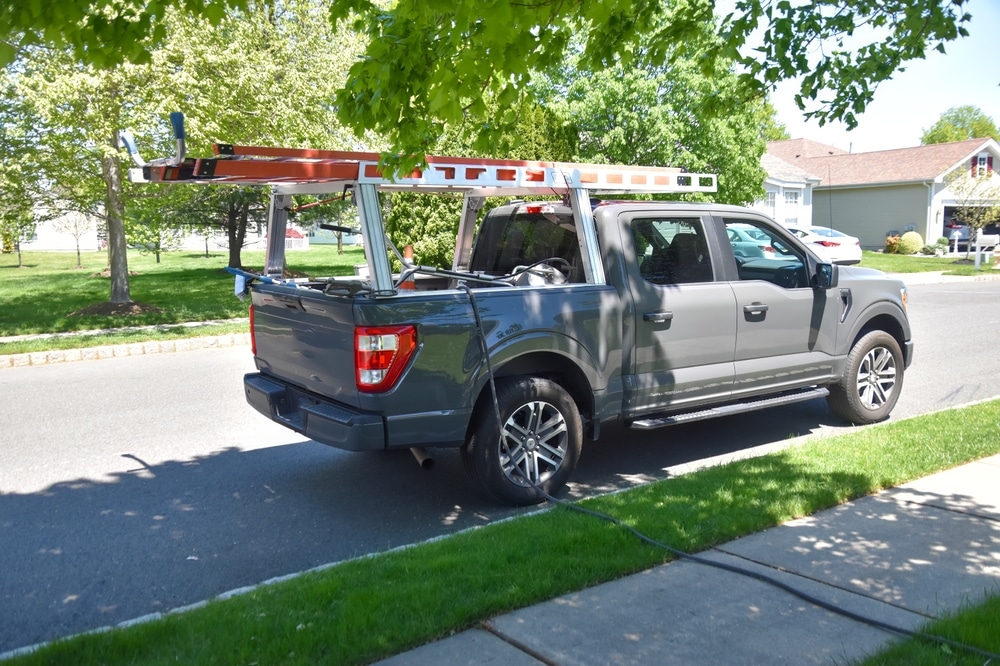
(672, 250)
(762, 254)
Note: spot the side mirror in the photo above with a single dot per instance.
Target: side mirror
(826, 276)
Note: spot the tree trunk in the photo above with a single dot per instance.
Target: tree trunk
(115, 210)
(236, 227)
(235, 246)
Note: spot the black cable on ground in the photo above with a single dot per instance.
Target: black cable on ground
(680, 554)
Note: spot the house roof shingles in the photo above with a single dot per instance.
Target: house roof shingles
(780, 169)
(834, 167)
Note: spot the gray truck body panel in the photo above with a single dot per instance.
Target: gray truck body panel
(625, 350)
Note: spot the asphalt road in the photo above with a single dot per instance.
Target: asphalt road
(141, 484)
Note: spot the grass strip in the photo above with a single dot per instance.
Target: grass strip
(977, 625)
(48, 292)
(370, 608)
(951, 264)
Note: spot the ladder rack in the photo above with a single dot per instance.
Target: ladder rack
(306, 171)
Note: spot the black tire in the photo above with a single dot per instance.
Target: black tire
(872, 380)
(540, 446)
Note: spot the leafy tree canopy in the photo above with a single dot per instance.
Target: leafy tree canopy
(429, 65)
(959, 124)
(651, 115)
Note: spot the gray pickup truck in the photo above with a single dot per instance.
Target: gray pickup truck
(556, 317)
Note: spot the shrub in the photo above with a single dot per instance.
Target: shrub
(932, 250)
(891, 244)
(910, 243)
(943, 241)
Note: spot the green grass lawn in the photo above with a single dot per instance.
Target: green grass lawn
(373, 607)
(43, 295)
(954, 264)
(978, 625)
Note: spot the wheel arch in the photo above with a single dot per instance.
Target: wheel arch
(882, 315)
(550, 365)
(891, 324)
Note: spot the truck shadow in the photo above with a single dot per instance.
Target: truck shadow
(624, 458)
(85, 553)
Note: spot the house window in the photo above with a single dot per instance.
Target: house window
(791, 221)
(791, 197)
(771, 199)
(981, 166)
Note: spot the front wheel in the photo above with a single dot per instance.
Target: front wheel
(870, 386)
(536, 444)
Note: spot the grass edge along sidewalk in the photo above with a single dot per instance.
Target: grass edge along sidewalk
(366, 609)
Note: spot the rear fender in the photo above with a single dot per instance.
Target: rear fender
(543, 354)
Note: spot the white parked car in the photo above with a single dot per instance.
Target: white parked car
(830, 244)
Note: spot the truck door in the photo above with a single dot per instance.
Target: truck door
(683, 321)
(785, 328)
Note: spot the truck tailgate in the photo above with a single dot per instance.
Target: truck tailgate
(306, 338)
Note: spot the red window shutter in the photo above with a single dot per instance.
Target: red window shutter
(972, 167)
(989, 165)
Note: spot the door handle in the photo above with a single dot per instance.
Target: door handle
(754, 309)
(658, 317)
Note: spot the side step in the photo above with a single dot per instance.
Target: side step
(731, 408)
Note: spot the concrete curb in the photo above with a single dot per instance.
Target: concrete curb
(127, 349)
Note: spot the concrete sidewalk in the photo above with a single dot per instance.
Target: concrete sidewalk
(904, 557)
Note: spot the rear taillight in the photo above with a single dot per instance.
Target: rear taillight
(826, 243)
(380, 355)
(253, 336)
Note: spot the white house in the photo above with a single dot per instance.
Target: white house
(63, 233)
(788, 192)
(875, 194)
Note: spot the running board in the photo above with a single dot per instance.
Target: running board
(732, 408)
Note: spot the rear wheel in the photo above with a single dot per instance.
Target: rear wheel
(536, 443)
(872, 380)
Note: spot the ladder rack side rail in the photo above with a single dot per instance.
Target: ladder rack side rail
(471, 205)
(372, 231)
(590, 250)
(277, 223)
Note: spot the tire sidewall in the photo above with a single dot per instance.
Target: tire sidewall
(482, 452)
(856, 411)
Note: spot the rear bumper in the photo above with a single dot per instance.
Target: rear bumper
(317, 418)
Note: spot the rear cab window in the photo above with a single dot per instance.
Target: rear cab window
(520, 235)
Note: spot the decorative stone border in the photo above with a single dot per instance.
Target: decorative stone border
(115, 351)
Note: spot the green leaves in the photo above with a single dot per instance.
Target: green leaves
(845, 48)
(959, 124)
(426, 67)
(660, 116)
